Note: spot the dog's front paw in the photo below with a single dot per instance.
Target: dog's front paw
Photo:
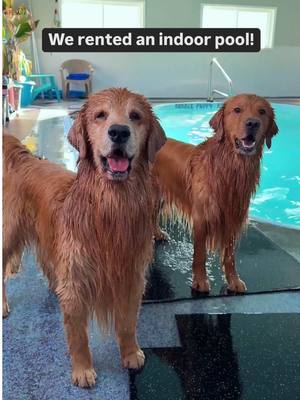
(236, 285)
(84, 377)
(134, 360)
(201, 285)
(5, 309)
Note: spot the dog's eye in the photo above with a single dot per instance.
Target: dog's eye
(101, 115)
(262, 111)
(134, 116)
(237, 110)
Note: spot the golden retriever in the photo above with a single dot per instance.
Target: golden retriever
(211, 184)
(93, 230)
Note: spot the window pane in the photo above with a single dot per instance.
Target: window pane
(219, 18)
(122, 16)
(241, 17)
(79, 14)
(255, 19)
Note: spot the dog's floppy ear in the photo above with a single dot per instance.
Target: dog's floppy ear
(217, 123)
(157, 138)
(272, 131)
(77, 135)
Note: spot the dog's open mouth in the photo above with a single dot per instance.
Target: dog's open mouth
(246, 145)
(117, 165)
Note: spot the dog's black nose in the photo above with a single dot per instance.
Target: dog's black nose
(119, 133)
(252, 123)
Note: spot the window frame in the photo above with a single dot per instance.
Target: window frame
(141, 4)
(272, 16)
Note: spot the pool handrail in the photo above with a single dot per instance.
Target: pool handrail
(212, 91)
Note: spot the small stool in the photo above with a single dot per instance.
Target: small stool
(26, 96)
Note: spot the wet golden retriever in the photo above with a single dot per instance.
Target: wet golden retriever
(92, 230)
(211, 184)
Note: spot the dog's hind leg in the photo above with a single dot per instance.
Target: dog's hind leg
(6, 257)
(200, 279)
(5, 307)
(158, 234)
(14, 264)
(11, 265)
(12, 254)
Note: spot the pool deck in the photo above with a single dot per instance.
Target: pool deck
(286, 238)
(36, 364)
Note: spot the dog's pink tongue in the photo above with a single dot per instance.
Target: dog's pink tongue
(118, 164)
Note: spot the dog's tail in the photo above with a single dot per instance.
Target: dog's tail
(14, 152)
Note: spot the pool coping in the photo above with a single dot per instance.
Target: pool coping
(162, 103)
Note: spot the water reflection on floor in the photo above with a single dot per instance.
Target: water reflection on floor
(49, 139)
(225, 356)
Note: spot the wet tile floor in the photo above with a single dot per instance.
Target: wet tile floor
(211, 348)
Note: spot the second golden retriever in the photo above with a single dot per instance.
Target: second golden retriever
(211, 184)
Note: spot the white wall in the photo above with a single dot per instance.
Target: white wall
(272, 72)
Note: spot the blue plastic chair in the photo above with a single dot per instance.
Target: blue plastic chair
(76, 72)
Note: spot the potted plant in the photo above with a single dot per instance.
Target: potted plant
(18, 25)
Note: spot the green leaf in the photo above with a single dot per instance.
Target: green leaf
(23, 29)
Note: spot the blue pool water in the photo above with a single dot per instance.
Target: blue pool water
(278, 197)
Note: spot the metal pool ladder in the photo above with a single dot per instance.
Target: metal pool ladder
(212, 91)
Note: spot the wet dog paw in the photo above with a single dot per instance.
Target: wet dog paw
(134, 360)
(84, 377)
(236, 285)
(201, 285)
